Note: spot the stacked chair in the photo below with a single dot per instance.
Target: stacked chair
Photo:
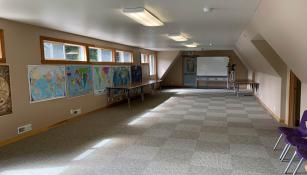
(294, 137)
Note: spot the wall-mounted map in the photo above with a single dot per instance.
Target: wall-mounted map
(136, 74)
(5, 91)
(79, 80)
(46, 82)
(121, 76)
(103, 77)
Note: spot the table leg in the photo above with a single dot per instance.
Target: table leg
(152, 88)
(234, 88)
(142, 93)
(128, 96)
(109, 94)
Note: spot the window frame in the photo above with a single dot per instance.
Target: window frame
(124, 63)
(2, 47)
(102, 62)
(146, 57)
(154, 66)
(61, 61)
(87, 59)
(148, 53)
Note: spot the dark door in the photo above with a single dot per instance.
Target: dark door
(294, 100)
(189, 71)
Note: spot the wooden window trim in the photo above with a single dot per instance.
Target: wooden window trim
(45, 61)
(155, 66)
(111, 63)
(147, 54)
(102, 62)
(3, 58)
(125, 63)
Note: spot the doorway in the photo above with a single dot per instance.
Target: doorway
(294, 100)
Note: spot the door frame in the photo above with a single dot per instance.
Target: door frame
(292, 99)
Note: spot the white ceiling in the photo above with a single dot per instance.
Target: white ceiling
(103, 19)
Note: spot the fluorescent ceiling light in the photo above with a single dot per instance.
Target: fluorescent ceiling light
(142, 16)
(193, 44)
(207, 9)
(177, 37)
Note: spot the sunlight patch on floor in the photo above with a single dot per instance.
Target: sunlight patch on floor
(36, 171)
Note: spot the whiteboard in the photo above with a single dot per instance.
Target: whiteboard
(212, 66)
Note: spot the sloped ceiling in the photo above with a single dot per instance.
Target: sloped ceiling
(283, 24)
(252, 57)
(271, 56)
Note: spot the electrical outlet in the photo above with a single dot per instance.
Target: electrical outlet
(23, 129)
(75, 112)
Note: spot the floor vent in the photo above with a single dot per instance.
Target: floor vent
(23, 129)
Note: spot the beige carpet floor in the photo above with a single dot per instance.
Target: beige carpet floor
(174, 132)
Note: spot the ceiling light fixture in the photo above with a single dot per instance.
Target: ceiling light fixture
(207, 9)
(142, 16)
(177, 37)
(192, 45)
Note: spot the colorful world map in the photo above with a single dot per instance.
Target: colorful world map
(46, 82)
(102, 76)
(79, 80)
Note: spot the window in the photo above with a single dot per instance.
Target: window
(144, 58)
(100, 55)
(152, 64)
(55, 50)
(123, 57)
(2, 55)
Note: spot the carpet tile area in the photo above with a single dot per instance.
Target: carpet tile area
(173, 132)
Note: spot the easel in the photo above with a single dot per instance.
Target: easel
(231, 78)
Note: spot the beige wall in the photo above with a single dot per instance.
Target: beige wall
(22, 48)
(281, 69)
(303, 98)
(283, 25)
(270, 92)
(252, 56)
(174, 76)
(165, 60)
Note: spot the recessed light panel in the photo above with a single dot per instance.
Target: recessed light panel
(191, 45)
(177, 37)
(207, 9)
(142, 16)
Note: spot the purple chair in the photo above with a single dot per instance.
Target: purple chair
(292, 141)
(301, 131)
(301, 152)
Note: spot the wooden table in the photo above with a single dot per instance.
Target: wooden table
(253, 85)
(135, 86)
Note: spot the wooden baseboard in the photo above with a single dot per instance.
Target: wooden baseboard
(276, 117)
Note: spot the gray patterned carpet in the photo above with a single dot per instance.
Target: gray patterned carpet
(174, 132)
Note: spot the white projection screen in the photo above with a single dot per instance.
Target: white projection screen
(212, 66)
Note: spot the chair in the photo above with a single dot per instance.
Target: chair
(301, 131)
(292, 141)
(301, 152)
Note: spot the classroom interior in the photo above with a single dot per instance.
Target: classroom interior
(153, 87)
